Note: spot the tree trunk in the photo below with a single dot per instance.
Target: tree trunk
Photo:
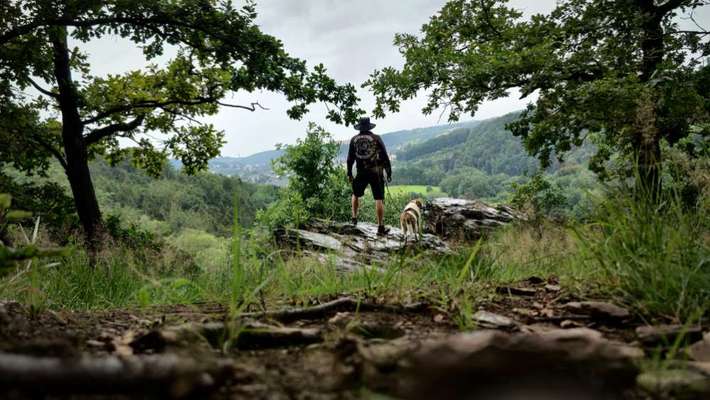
(648, 135)
(649, 160)
(77, 168)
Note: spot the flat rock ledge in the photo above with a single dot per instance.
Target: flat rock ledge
(466, 220)
(353, 247)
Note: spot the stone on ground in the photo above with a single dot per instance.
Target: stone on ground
(700, 351)
(652, 335)
(598, 310)
(675, 383)
(557, 364)
(486, 319)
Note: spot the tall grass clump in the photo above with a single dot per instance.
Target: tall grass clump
(652, 251)
(541, 248)
(71, 284)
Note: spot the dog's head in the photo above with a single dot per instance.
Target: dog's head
(419, 202)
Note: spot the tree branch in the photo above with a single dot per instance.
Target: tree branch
(52, 150)
(98, 134)
(157, 104)
(147, 104)
(699, 33)
(67, 21)
(487, 13)
(157, 376)
(181, 115)
(331, 307)
(670, 5)
(42, 90)
(251, 107)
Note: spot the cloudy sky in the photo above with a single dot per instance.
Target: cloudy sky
(351, 38)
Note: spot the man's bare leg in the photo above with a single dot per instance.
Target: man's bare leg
(355, 202)
(380, 210)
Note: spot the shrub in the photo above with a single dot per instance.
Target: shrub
(132, 235)
(539, 197)
(686, 169)
(209, 252)
(317, 185)
(310, 165)
(46, 200)
(11, 255)
(289, 210)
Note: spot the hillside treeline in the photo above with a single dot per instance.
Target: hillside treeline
(485, 161)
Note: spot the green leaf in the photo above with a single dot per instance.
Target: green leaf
(5, 201)
(18, 215)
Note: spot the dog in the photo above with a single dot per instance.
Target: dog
(410, 219)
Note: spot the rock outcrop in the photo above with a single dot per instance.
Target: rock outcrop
(353, 247)
(466, 220)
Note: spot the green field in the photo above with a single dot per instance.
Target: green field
(432, 191)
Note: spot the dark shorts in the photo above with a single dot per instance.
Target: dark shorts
(373, 178)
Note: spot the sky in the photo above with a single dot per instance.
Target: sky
(351, 38)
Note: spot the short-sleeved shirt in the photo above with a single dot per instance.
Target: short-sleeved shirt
(367, 151)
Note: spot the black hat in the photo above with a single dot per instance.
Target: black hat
(364, 124)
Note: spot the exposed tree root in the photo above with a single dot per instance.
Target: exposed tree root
(164, 376)
(338, 305)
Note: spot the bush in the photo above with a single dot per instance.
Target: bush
(132, 235)
(209, 252)
(46, 200)
(289, 210)
(317, 187)
(539, 197)
(686, 169)
(310, 166)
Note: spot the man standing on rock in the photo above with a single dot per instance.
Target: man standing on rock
(368, 152)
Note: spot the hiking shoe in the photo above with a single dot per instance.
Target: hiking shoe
(382, 231)
(353, 221)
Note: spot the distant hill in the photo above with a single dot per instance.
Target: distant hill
(487, 146)
(257, 167)
(256, 158)
(471, 159)
(483, 161)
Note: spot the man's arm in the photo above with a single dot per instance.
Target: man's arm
(351, 158)
(385, 157)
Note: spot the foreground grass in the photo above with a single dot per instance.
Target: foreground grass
(122, 278)
(654, 259)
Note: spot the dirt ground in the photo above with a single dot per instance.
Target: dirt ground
(358, 357)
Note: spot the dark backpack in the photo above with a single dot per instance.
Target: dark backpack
(367, 150)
